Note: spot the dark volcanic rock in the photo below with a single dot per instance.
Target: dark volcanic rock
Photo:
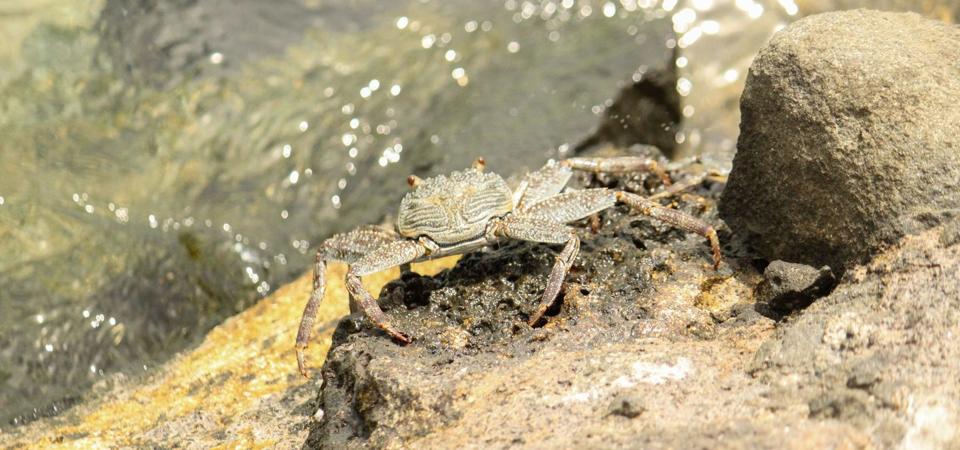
(788, 286)
(880, 352)
(849, 139)
(646, 111)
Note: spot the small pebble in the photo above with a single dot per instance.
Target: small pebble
(626, 404)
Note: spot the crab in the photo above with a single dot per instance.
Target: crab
(473, 209)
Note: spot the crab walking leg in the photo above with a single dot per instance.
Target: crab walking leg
(673, 217)
(550, 179)
(572, 205)
(393, 254)
(310, 311)
(538, 230)
(555, 282)
(347, 247)
(576, 205)
(618, 164)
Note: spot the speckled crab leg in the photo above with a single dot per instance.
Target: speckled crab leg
(346, 247)
(310, 311)
(552, 178)
(575, 205)
(390, 255)
(673, 217)
(618, 164)
(539, 230)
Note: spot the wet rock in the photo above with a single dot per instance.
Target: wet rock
(849, 137)
(788, 286)
(880, 351)
(646, 111)
(239, 387)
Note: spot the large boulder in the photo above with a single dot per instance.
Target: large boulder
(850, 137)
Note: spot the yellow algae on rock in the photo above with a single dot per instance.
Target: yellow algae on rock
(221, 392)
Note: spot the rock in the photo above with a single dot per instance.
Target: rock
(649, 347)
(945, 10)
(880, 351)
(849, 138)
(660, 340)
(788, 286)
(646, 111)
(645, 330)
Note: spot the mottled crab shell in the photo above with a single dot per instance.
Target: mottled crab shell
(454, 208)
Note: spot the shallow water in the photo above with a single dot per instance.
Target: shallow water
(163, 168)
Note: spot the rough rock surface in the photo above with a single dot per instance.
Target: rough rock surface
(473, 350)
(850, 137)
(649, 347)
(880, 352)
(944, 10)
(872, 365)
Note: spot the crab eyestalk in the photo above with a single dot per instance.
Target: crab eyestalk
(414, 181)
(479, 164)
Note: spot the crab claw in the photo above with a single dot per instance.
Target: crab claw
(414, 181)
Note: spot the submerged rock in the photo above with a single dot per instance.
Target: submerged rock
(849, 137)
(161, 43)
